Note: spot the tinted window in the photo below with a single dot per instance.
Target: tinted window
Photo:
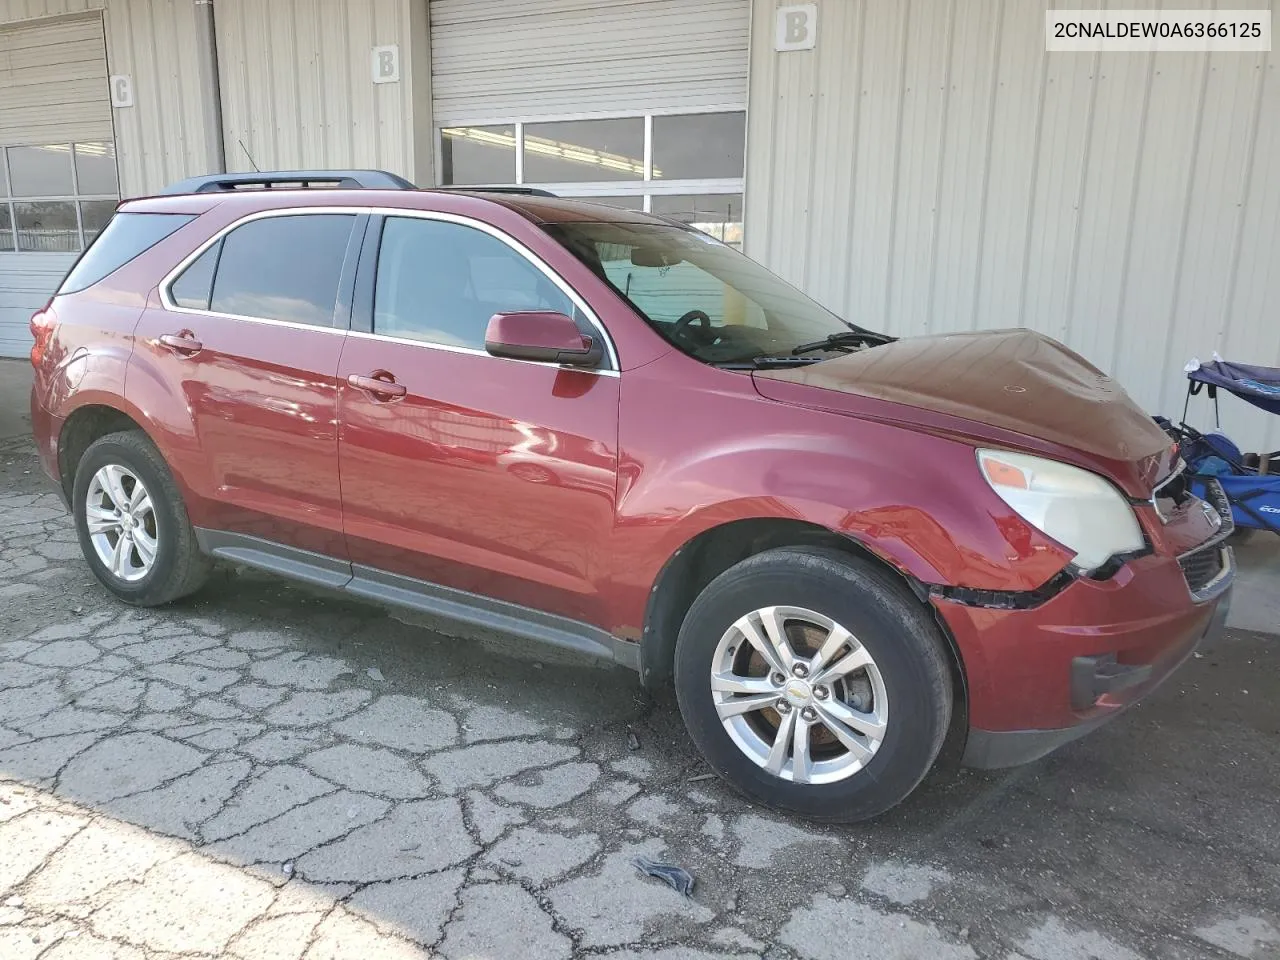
(283, 268)
(441, 282)
(123, 238)
(194, 284)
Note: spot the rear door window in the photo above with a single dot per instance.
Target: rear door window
(124, 237)
(277, 268)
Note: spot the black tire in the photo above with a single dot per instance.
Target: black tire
(896, 630)
(180, 568)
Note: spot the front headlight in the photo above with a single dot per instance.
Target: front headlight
(1079, 509)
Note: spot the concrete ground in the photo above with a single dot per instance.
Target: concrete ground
(15, 393)
(272, 772)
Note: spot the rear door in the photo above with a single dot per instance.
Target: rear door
(484, 474)
(248, 336)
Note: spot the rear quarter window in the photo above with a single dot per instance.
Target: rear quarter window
(125, 236)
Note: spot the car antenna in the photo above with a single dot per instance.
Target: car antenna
(249, 155)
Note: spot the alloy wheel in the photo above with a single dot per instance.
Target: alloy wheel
(121, 521)
(799, 695)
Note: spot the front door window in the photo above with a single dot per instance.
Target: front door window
(440, 282)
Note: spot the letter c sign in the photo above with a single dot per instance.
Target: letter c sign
(796, 27)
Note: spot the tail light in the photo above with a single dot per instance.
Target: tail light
(42, 323)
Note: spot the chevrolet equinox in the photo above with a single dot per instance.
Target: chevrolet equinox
(608, 431)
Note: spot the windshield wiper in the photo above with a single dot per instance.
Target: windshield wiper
(843, 340)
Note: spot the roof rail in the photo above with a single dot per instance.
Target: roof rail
(523, 191)
(345, 179)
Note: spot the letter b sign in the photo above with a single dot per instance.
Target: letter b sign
(386, 64)
(797, 27)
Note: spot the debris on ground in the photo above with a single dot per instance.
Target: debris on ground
(375, 675)
(677, 878)
(700, 777)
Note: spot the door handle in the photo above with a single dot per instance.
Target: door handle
(381, 386)
(184, 343)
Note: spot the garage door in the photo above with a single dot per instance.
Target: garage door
(58, 179)
(639, 103)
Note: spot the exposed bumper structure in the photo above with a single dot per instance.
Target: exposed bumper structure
(1041, 677)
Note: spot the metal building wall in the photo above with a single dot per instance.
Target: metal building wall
(297, 84)
(53, 88)
(11, 10)
(53, 81)
(161, 138)
(499, 59)
(929, 167)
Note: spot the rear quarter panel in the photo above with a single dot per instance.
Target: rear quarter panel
(87, 362)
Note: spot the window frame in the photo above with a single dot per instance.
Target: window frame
(342, 304)
(643, 187)
(353, 315)
(75, 198)
(371, 325)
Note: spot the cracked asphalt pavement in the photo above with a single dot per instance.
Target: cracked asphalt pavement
(269, 771)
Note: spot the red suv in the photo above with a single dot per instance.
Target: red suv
(607, 431)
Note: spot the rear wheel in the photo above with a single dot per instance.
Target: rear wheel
(814, 683)
(132, 523)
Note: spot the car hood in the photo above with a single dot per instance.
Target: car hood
(1008, 387)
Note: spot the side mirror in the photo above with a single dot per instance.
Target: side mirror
(540, 335)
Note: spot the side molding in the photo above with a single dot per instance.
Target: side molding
(394, 590)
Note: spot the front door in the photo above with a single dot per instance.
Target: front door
(249, 342)
(483, 474)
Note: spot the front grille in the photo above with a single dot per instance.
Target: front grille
(1201, 567)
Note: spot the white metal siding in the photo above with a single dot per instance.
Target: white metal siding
(928, 167)
(297, 84)
(53, 82)
(499, 60)
(160, 139)
(53, 89)
(26, 281)
(11, 10)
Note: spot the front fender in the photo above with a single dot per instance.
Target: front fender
(915, 500)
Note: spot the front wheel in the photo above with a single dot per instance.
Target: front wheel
(132, 523)
(814, 683)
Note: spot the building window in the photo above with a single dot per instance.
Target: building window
(582, 151)
(55, 198)
(478, 155)
(687, 166)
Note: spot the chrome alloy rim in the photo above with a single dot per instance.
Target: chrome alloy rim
(799, 695)
(122, 523)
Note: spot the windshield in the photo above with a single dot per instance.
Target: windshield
(704, 297)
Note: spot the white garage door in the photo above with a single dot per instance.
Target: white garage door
(58, 180)
(639, 103)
